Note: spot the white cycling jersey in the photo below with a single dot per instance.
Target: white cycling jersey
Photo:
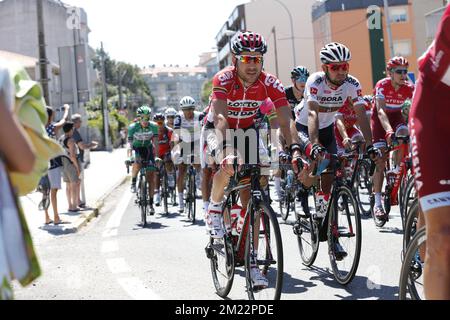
(329, 100)
(188, 130)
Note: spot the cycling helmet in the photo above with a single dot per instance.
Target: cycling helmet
(171, 112)
(144, 110)
(334, 53)
(398, 61)
(187, 103)
(300, 74)
(249, 41)
(158, 117)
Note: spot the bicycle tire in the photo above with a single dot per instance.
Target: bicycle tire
(284, 206)
(224, 250)
(165, 192)
(408, 198)
(192, 197)
(407, 274)
(363, 174)
(265, 258)
(353, 230)
(410, 227)
(143, 194)
(308, 226)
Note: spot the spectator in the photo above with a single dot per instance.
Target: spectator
(77, 120)
(71, 168)
(123, 137)
(54, 172)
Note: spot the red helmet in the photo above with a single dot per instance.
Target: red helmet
(396, 62)
(249, 41)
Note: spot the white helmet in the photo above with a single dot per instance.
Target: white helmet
(334, 53)
(171, 112)
(187, 103)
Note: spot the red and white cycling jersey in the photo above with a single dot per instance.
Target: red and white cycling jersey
(329, 100)
(435, 62)
(349, 115)
(243, 104)
(394, 99)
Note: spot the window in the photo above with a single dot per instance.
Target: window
(397, 15)
(402, 48)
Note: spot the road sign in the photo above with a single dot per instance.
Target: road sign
(412, 77)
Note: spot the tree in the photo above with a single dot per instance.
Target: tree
(206, 91)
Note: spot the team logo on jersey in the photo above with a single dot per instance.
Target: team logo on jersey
(352, 81)
(331, 99)
(244, 104)
(313, 90)
(226, 76)
(359, 92)
(275, 83)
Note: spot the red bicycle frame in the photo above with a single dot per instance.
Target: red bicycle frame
(403, 147)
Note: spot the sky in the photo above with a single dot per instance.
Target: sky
(146, 32)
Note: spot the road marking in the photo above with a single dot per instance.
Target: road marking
(136, 289)
(116, 217)
(110, 246)
(118, 265)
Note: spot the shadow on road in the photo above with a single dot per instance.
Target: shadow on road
(360, 287)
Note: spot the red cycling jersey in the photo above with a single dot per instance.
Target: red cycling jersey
(349, 115)
(394, 99)
(164, 139)
(243, 104)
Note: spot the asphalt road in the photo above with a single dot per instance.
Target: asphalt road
(113, 257)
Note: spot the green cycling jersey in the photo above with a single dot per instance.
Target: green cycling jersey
(141, 137)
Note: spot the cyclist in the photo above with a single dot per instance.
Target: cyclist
(170, 114)
(429, 124)
(325, 93)
(142, 138)
(387, 120)
(294, 93)
(237, 94)
(187, 127)
(164, 141)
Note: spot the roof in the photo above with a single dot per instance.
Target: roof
(25, 61)
(173, 70)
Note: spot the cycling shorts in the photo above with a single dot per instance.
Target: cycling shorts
(430, 144)
(378, 133)
(145, 154)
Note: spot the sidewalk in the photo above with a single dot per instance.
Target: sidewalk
(105, 173)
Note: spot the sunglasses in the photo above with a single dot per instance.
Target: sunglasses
(401, 71)
(145, 118)
(337, 67)
(248, 59)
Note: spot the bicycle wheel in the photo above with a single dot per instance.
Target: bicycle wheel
(284, 205)
(408, 198)
(165, 191)
(220, 253)
(344, 230)
(363, 188)
(307, 231)
(143, 195)
(192, 196)
(263, 241)
(411, 224)
(411, 274)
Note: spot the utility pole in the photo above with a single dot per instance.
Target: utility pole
(388, 28)
(43, 62)
(276, 52)
(292, 30)
(105, 104)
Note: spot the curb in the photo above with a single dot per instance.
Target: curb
(95, 212)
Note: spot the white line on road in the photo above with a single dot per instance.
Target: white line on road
(110, 246)
(116, 217)
(136, 289)
(118, 265)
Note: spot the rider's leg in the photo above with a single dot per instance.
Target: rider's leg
(206, 191)
(378, 177)
(134, 172)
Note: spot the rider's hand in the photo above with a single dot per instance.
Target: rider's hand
(347, 142)
(227, 163)
(389, 137)
(316, 151)
(297, 163)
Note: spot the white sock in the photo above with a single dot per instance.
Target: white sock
(205, 205)
(180, 198)
(378, 199)
(277, 181)
(215, 207)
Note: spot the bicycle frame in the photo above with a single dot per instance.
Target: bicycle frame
(403, 147)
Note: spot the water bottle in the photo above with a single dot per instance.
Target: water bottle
(289, 178)
(235, 214)
(241, 219)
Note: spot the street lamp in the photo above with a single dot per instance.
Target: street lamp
(230, 34)
(292, 30)
(275, 48)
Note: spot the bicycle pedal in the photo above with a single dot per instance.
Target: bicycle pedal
(209, 252)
